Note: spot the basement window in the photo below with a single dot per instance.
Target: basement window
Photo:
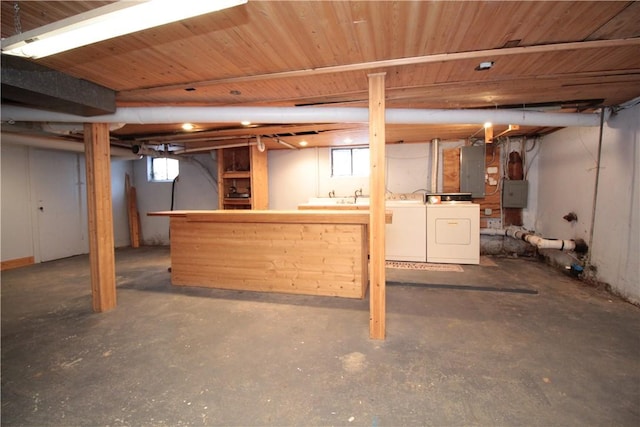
(162, 169)
(350, 162)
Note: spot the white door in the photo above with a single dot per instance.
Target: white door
(59, 203)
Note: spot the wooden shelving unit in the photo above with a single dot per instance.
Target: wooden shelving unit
(242, 178)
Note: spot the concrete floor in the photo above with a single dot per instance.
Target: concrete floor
(518, 343)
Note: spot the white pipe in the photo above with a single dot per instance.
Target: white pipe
(59, 144)
(260, 144)
(434, 164)
(537, 241)
(284, 115)
(495, 116)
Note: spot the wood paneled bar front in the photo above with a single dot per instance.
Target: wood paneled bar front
(311, 252)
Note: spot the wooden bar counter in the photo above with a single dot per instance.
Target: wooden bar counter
(313, 252)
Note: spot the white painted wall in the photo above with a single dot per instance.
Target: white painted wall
(16, 231)
(18, 206)
(616, 237)
(297, 175)
(119, 168)
(195, 189)
(565, 174)
(293, 177)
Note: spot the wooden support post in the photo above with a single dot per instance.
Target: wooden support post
(101, 252)
(377, 284)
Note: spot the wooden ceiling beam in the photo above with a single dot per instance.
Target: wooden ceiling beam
(425, 59)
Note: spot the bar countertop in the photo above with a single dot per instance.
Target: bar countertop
(320, 216)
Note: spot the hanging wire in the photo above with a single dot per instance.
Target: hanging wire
(17, 24)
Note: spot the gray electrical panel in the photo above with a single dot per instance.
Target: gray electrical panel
(514, 193)
(472, 170)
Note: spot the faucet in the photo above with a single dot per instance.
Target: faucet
(356, 194)
(332, 194)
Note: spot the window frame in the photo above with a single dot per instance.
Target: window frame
(351, 162)
(151, 169)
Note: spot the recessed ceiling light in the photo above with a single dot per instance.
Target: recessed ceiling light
(245, 123)
(188, 126)
(486, 65)
(303, 143)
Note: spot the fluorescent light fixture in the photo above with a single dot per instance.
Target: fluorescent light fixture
(113, 20)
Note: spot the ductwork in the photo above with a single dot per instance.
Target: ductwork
(284, 115)
(578, 245)
(59, 144)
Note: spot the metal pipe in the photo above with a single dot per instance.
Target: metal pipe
(51, 143)
(595, 189)
(435, 143)
(213, 147)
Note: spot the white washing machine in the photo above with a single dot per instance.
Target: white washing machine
(406, 235)
(453, 233)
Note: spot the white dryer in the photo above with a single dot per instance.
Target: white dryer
(453, 233)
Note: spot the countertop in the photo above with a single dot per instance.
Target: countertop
(307, 216)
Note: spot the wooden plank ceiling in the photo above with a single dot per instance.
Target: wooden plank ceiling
(319, 53)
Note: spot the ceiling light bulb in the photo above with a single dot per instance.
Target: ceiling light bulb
(245, 123)
(487, 125)
(303, 143)
(486, 65)
(188, 126)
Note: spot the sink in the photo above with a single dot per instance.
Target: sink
(330, 201)
(405, 202)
